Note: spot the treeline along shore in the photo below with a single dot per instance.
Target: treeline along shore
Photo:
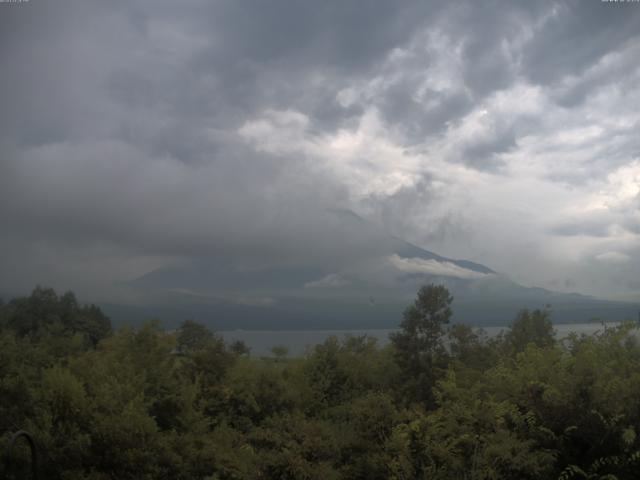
(439, 401)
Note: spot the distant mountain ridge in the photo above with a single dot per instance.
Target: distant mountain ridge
(377, 278)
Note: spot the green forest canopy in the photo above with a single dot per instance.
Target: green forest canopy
(439, 402)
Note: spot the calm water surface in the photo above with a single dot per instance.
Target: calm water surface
(297, 341)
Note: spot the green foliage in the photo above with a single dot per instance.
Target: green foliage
(419, 348)
(192, 337)
(530, 327)
(45, 314)
(280, 351)
(148, 404)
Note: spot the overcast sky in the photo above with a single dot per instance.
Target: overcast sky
(136, 133)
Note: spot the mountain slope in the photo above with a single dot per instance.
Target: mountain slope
(375, 277)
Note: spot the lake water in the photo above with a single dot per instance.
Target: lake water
(297, 341)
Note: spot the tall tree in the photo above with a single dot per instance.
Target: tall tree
(530, 327)
(419, 349)
(45, 313)
(193, 336)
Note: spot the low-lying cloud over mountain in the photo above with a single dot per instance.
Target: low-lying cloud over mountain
(370, 288)
(135, 135)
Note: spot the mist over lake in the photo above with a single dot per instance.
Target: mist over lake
(302, 341)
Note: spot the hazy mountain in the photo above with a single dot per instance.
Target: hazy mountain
(356, 276)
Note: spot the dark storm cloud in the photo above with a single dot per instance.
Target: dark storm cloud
(483, 154)
(404, 211)
(576, 35)
(121, 122)
(261, 55)
(113, 193)
(342, 35)
(589, 227)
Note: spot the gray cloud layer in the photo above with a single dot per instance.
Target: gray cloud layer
(136, 133)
